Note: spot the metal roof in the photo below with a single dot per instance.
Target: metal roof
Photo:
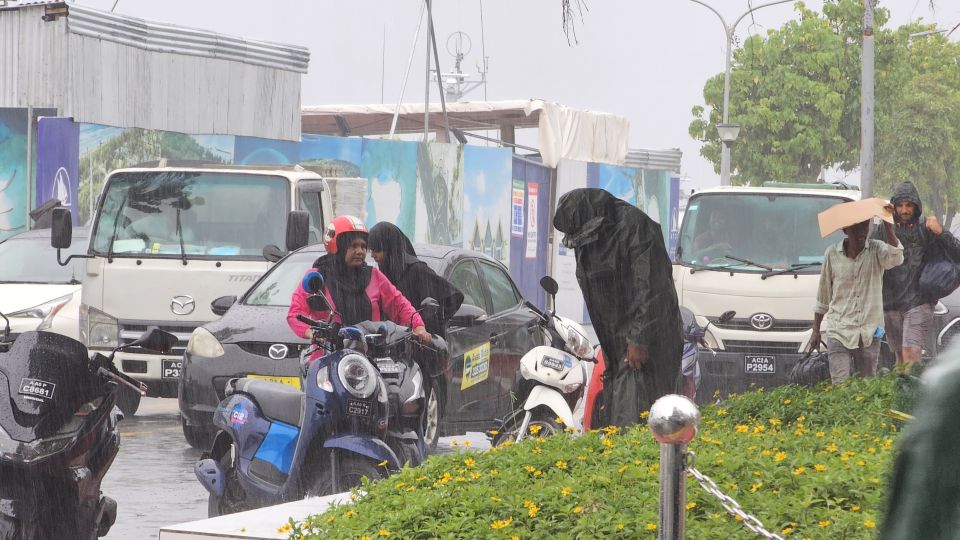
(658, 160)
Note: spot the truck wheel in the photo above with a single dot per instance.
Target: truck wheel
(128, 400)
(431, 428)
(352, 469)
(196, 436)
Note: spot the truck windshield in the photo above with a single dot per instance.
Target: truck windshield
(191, 214)
(770, 231)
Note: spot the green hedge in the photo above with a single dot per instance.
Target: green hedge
(809, 463)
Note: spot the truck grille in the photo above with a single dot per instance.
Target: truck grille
(131, 330)
(760, 347)
(778, 325)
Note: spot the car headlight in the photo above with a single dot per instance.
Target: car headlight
(203, 343)
(97, 329)
(46, 311)
(940, 309)
(323, 378)
(578, 344)
(357, 375)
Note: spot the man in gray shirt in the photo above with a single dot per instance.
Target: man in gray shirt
(850, 297)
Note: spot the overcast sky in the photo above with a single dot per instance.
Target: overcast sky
(646, 60)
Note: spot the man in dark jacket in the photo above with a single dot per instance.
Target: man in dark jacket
(627, 281)
(908, 313)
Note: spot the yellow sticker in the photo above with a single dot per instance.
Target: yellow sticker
(476, 366)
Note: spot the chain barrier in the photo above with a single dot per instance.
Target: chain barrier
(732, 506)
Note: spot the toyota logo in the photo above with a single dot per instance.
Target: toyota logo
(761, 321)
(182, 305)
(277, 351)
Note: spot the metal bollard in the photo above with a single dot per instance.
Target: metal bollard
(673, 421)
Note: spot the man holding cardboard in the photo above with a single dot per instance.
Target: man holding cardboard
(850, 296)
(908, 309)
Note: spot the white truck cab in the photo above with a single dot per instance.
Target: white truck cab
(757, 251)
(168, 238)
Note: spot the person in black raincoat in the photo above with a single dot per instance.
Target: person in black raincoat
(627, 281)
(398, 261)
(908, 311)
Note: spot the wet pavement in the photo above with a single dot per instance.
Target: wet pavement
(152, 477)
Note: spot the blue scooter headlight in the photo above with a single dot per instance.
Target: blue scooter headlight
(357, 375)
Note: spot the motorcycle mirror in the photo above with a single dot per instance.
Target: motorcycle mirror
(272, 253)
(726, 316)
(312, 282)
(154, 339)
(550, 285)
(318, 302)
(429, 306)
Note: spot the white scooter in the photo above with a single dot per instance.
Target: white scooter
(552, 378)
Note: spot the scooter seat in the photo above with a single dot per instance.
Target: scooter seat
(277, 401)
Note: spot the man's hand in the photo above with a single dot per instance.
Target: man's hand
(308, 334)
(933, 225)
(636, 357)
(422, 335)
(814, 343)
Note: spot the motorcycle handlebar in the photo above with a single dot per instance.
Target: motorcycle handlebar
(307, 320)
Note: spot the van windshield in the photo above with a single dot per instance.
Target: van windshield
(755, 232)
(191, 214)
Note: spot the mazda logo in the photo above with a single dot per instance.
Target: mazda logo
(277, 351)
(182, 305)
(761, 321)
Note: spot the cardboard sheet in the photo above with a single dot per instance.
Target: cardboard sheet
(849, 213)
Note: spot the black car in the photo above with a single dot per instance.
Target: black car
(490, 333)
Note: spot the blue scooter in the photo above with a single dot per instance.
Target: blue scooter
(279, 444)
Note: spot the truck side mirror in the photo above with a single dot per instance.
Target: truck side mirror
(61, 228)
(298, 229)
(272, 253)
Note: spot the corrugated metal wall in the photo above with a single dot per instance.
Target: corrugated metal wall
(659, 160)
(91, 66)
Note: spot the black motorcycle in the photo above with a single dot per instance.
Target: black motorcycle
(58, 433)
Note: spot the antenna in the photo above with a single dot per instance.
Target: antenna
(456, 83)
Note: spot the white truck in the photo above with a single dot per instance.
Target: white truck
(757, 251)
(168, 238)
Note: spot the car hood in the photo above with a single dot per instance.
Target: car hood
(253, 323)
(18, 296)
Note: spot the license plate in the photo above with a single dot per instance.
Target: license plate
(388, 367)
(552, 363)
(171, 369)
(355, 407)
(759, 363)
(289, 381)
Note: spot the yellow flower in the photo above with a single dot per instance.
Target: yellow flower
(721, 412)
(824, 523)
(366, 537)
(531, 508)
(855, 508)
(475, 475)
(620, 526)
(565, 491)
(493, 432)
(820, 467)
(581, 458)
(651, 527)
(514, 537)
(382, 463)
(383, 532)
(529, 468)
(537, 450)
(577, 509)
(821, 434)
(691, 505)
(608, 443)
(787, 530)
(742, 428)
(467, 443)
(786, 402)
(774, 421)
(765, 453)
(832, 447)
(780, 456)
(494, 472)
(799, 470)
(494, 498)
(558, 420)
(868, 523)
(623, 469)
(469, 462)
(535, 429)
(759, 428)
(561, 464)
(285, 528)
(755, 487)
(501, 523)
(645, 414)
(537, 472)
(349, 514)
(858, 398)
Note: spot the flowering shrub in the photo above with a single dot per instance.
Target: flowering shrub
(809, 463)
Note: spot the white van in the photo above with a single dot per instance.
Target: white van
(168, 238)
(757, 251)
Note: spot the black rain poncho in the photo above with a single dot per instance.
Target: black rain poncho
(627, 282)
(413, 277)
(901, 284)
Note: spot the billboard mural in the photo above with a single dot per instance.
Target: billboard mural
(487, 191)
(14, 204)
(58, 151)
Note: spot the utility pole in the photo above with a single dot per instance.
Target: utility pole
(866, 102)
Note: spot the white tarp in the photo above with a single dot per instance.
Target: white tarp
(580, 135)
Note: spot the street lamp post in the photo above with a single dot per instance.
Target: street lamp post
(729, 30)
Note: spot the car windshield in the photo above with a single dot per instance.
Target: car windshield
(755, 233)
(277, 286)
(30, 259)
(191, 214)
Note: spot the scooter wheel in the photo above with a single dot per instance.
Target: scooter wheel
(431, 428)
(352, 469)
(542, 424)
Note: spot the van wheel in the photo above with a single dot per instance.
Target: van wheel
(128, 400)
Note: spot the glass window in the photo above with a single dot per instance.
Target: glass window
(502, 293)
(278, 285)
(206, 214)
(774, 230)
(465, 278)
(310, 203)
(30, 259)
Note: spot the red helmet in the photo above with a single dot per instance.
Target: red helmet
(340, 225)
